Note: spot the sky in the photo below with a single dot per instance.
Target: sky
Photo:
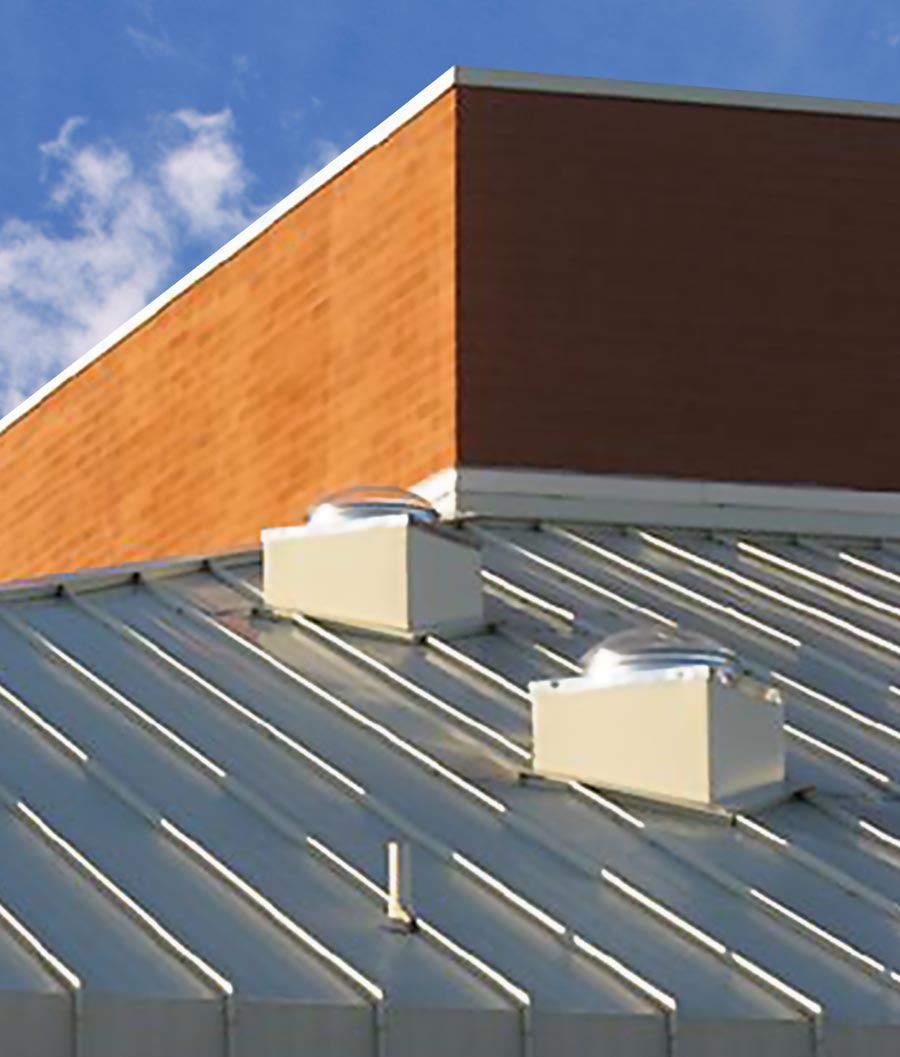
(137, 136)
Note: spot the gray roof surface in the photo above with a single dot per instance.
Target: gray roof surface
(196, 799)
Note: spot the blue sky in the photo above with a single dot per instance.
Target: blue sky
(139, 135)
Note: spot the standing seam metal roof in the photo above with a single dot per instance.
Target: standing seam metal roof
(197, 796)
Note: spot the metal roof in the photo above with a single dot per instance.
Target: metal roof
(196, 800)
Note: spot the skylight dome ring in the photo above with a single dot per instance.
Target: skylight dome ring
(650, 647)
(369, 502)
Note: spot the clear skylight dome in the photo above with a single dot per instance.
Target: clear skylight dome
(651, 647)
(364, 502)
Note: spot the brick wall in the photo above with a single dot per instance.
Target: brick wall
(679, 290)
(513, 279)
(322, 354)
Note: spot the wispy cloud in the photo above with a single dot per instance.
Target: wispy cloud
(242, 71)
(152, 45)
(118, 232)
(323, 151)
(290, 118)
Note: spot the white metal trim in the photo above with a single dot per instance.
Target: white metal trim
(564, 84)
(559, 495)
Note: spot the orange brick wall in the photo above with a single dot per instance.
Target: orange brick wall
(320, 355)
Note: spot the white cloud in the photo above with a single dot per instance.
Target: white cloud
(119, 230)
(205, 178)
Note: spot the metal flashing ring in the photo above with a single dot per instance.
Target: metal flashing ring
(640, 649)
(367, 502)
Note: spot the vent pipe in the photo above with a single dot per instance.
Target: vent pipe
(377, 558)
(399, 878)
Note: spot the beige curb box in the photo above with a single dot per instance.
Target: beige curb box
(678, 734)
(388, 574)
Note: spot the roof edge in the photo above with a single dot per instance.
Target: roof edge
(537, 495)
(102, 577)
(362, 146)
(652, 91)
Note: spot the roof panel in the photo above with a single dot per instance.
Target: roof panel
(239, 777)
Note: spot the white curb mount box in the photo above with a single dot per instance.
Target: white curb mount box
(688, 733)
(391, 573)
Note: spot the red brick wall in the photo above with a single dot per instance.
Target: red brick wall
(512, 279)
(679, 290)
(322, 354)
